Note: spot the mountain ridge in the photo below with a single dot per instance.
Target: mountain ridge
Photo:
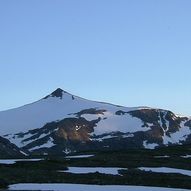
(103, 102)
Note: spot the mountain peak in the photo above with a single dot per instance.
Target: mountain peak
(56, 93)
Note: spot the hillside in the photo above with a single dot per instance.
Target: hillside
(61, 123)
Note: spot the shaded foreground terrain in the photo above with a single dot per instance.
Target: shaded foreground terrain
(50, 169)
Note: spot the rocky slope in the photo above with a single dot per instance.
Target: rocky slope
(8, 149)
(61, 123)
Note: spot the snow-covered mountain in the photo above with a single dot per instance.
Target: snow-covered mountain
(62, 123)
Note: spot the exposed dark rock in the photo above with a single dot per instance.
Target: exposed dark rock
(57, 93)
(65, 134)
(7, 149)
(188, 123)
(91, 111)
(120, 112)
(146, 115)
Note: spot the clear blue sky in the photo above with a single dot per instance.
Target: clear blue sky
(128, 52)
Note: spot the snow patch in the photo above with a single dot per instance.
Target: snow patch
(79, 156)
(180, 135)
(165, 156)
(66, 151)
(167, 170)
(85, 170)
(49, 144)
(23, 153)
(13, 161)
(118, 123)
(186, 156)
(91, 117)
(83, 187)
(149, 145)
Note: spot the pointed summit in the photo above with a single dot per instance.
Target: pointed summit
(57, 93)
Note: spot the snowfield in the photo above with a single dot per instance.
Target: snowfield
(167, 170)
(81, 187)
(113, 123)
(85, 170)
(78, 156)
(149, 145)
(12, 161)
